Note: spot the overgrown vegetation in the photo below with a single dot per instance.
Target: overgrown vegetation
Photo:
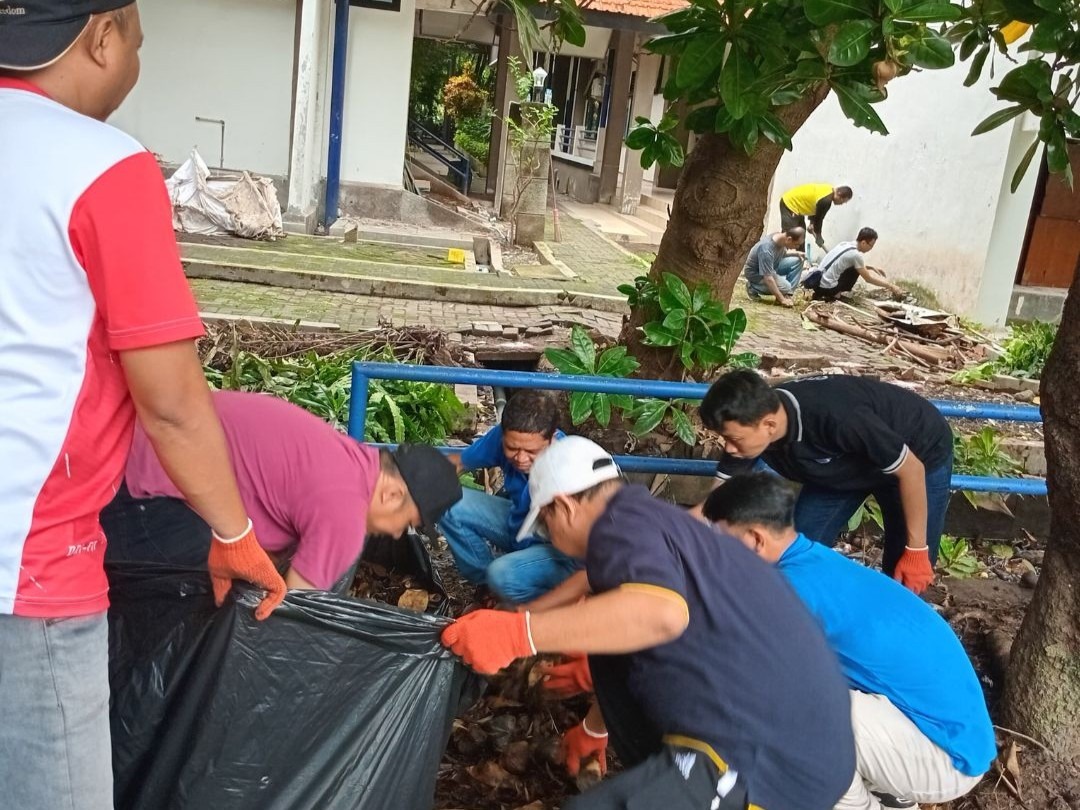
(397, 411)
(1024, 353)
(982, 454)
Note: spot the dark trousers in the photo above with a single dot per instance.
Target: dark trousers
(821, 514)
(657, 776)
(846, 283)
(154, 530)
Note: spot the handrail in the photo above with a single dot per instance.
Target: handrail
(659, 389)
(465, 174)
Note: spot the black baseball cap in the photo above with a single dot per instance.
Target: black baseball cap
(35, 33)
(431, 478)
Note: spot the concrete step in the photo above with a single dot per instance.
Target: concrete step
(659, 200)
(656, 217)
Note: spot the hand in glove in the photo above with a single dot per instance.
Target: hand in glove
(580, 743)
(243, 558)
(490, 640)
(913, 570)
(572, 677)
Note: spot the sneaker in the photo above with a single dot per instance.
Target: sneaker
(753, 296)
(888, 800)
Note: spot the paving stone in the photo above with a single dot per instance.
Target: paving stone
(486, 328)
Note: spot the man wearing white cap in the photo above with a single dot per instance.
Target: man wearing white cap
(714, 680)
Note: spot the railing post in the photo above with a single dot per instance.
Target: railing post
(358, 403)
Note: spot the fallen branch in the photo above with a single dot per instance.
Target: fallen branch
(927, 354)
(1024, 737)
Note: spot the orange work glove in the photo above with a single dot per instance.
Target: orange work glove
(243, 558)
(913, 569)
(569, 678)
(580, 743)
(489, 640)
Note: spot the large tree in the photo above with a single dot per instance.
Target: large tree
(758, 69)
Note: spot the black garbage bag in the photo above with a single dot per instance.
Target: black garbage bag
(329, 703)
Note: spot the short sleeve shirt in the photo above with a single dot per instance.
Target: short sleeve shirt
(751, 678)
(762, 260)
(845, 256)
(89, 267)
(891, 643)
(307, 487)
(850, 433)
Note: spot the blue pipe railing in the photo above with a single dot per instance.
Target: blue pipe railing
(337, 112)
(362, 373)
(462, 167)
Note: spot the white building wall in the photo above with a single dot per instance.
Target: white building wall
(930, 189)
(378, 69)
(232, 61)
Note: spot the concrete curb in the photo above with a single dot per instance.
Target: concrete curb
(474, 292)
(548, 258)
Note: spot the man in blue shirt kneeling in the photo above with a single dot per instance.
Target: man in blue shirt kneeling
(482, 529)
(922, 731)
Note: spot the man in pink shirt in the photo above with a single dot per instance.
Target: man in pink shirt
(313, 493)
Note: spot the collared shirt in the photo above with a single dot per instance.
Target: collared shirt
(751, 681)
(850, 433)
(890, 642)
(89, 268)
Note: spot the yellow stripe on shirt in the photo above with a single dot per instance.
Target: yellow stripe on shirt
(657, 590)
(680, 741)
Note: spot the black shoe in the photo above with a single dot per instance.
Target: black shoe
(888, 800)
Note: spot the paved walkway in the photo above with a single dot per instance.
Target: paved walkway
(356, 312)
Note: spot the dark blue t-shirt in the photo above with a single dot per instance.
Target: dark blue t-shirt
(891, 643)
(751, 678)
(487, 451)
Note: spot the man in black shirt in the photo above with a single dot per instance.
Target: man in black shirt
(716, 684)
(844, 438)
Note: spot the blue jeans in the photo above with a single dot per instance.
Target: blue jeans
(788, 271)
(54, 713)
(821, 514)
(477, 530)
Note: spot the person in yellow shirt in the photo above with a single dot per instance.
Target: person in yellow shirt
(811, 200)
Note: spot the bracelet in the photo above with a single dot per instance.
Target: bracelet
(241, 536)
(528, 631)
(590, 732)
(920, 548)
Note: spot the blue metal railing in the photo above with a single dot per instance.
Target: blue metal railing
(659, 389)
(460, 165)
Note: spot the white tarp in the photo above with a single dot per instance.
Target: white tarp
(246, 206)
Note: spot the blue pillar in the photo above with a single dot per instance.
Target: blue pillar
(337, 111)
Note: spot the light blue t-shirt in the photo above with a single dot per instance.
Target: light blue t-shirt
(487, 451)
(890, 642)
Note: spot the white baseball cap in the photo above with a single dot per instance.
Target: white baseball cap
(568, 466)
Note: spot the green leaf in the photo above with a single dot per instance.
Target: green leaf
(1051, 34)
(566, 362)
(773, 129)
(675, 321)
(1023, 84)
(610, 359)
(1024, 10)
(686, 355)
(856, 107)
(702, 57)
(602, 409)
(581, 404)
(977, 66)
(1022, 167)
(650, 414)
(736, 78)
(674, 293)
(700, 298)
(684, 428)
(640, 137)
(744, 360)
(714, 313)
(930, 11)
(657, 335)
(931, 51)
(997, 119)
(851, 45)
(823, 12)
(584, 348)
(671, 44)
(623, 401)
(702, 119)
(968, 45)
(1057, 154)
(711, 355)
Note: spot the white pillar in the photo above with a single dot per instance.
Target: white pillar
(1010, 227)
(308, 134)
(629, 194)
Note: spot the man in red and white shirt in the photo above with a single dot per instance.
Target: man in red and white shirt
(96, 323)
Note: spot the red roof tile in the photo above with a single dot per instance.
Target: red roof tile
(636, 8)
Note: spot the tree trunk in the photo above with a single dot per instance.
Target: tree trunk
(716, 217)
(1042, 689)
